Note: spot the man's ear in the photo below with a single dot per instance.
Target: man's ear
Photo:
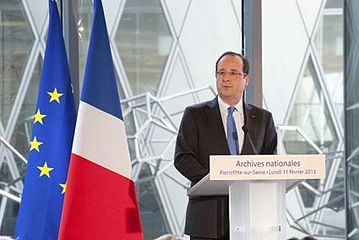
(247, 78)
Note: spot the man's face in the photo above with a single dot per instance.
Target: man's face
(231, 80)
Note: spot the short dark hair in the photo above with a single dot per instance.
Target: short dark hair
(230, 53)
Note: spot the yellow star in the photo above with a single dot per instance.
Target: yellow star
(38, 117)
(45, 170)
(55, 96)
(63, 185)
(34, 144)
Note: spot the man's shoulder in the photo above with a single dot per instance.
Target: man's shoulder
(256, 109)
(203, 105)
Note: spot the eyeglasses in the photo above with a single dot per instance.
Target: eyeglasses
(231, 74)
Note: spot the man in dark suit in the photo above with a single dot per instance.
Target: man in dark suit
(203, 132)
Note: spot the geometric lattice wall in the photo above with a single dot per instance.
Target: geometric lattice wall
(164, 53)
(303, 87)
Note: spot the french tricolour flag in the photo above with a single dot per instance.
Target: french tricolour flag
(100, 199)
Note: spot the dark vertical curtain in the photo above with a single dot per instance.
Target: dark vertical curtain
(351, 95)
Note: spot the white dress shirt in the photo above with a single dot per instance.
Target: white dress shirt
(238, 118)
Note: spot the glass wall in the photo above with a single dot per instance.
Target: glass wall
(303, 87)
(20, 65)
(164, 54)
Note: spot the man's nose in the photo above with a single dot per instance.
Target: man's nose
(226, 78)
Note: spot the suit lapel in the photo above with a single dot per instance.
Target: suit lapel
(215, 120)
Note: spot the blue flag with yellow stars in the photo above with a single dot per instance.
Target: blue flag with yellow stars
(50, 145)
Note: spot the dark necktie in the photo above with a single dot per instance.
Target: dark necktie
(232, 136)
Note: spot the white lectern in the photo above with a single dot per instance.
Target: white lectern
(256, 185)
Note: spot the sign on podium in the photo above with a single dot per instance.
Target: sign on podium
(256, 185)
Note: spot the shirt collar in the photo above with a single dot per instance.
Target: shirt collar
(224, 106)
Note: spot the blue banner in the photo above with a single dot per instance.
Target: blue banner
(50, 145)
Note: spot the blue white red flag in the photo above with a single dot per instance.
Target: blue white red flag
(100, 200)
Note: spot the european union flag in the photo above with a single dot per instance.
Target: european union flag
(51, 142)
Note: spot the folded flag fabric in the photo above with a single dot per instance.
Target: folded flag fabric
(100, 201)
(50, 144)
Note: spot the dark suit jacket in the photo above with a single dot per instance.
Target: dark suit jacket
(202, 134)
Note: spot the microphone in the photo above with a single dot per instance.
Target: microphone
(235, 137)
(245, 130)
